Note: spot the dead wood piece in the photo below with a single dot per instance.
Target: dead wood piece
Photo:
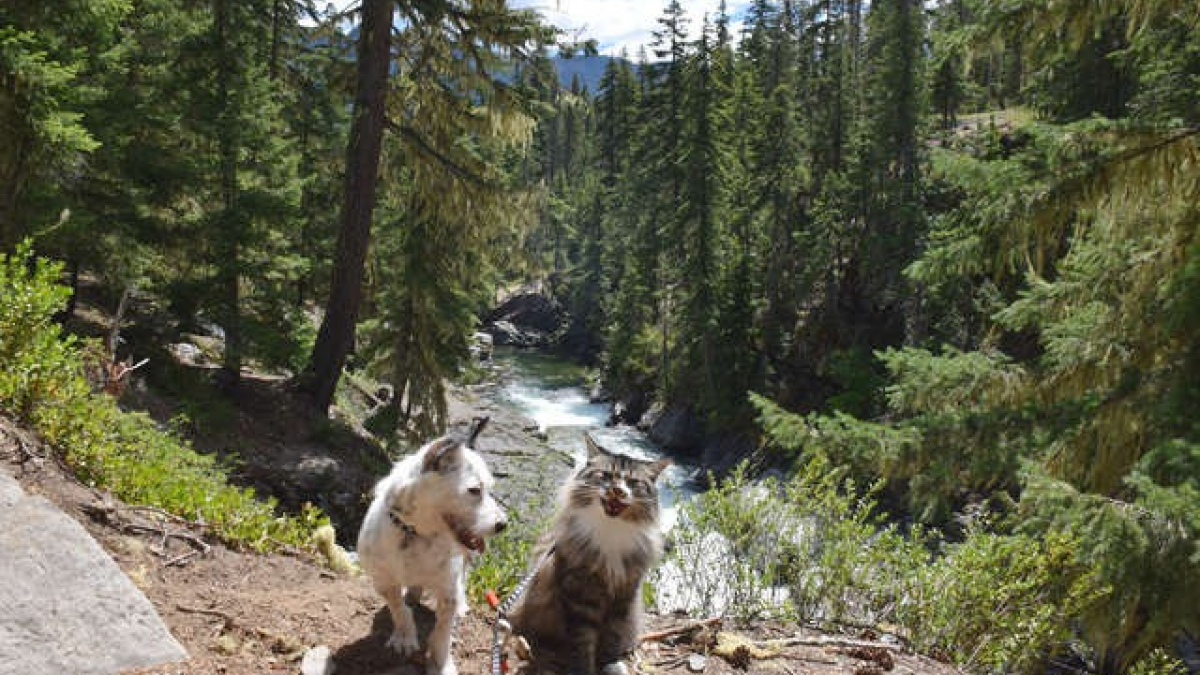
(207, 612)
(736, 648)
(829, 641)
(659, 636)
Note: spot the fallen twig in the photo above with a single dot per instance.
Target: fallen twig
(209, 612)
(183, 558)
(825, 641)
(658, 636)
(671, 663)
(163, 514)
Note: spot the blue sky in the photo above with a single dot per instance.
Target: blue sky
(621, 23)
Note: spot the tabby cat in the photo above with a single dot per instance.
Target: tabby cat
(582, 611)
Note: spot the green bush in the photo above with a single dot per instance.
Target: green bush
(509, 555)
(810, 548)
(43, 385)
(728, 552)
(815, 548)
(1001, 603)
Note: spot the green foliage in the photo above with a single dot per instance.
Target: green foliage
(811, 548)
(43, 385)
(729, 550)
(855, 568)
(507, 559)
(1158, 662)
(814, 547)
(1145, 549)
(1000, 603)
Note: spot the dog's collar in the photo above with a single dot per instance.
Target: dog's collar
(407, 530)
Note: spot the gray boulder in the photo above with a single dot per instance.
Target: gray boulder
(65, 606)
(676, 429)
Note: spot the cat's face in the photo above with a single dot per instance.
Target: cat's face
(620, 486)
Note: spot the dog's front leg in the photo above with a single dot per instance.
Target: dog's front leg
(404, 635)
(442, 635)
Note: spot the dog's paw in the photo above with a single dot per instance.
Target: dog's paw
(405, 645)
(447, 668)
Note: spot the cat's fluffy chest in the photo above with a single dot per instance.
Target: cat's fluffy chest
(618, 548)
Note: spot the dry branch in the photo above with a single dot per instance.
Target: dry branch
(658, 636)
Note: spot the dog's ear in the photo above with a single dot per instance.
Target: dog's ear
(441, 454)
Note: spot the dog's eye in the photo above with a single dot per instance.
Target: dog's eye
(476, 491)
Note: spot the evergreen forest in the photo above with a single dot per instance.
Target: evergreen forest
(949, 248)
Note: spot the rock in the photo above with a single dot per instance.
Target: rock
(629, 408)
(506, 333)
(187, 353)
(529, 310)
(68, 608)
(720, 454)
(530, 320)
(318, 661)
(696, 663)
(677, 430)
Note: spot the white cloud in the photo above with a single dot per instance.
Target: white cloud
(628, 24)
(614, 24)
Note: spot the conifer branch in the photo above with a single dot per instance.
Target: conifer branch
(448, 163)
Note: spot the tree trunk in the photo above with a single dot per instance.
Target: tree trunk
(231, 230)
(336, 336)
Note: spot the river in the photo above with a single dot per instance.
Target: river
(551, 391)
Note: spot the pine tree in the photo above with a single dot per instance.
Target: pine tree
(449, 197)
(335, 338)
(701, 211)
(42, 100)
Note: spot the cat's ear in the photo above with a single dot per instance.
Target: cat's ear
(593, 449)
(477, 426)
(658, 467)
(440, 454)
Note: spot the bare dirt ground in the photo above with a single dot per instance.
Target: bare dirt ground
(245, 614)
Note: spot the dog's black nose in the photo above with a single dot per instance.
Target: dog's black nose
(500, 526)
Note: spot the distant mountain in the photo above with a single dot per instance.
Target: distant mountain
(589, 70)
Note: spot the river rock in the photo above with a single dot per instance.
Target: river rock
(529, 310)
(720, 454)
(508, 334)
(67, 607)
(677, 430)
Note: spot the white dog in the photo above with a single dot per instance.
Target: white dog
(431, 511)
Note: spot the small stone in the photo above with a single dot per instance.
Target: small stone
(696, 663)
(227, 644)
(317, 661)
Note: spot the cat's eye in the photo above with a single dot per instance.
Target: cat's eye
(476, 491)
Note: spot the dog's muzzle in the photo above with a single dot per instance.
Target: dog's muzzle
(471, 540)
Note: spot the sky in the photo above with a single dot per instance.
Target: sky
(614, 24)
(617, 24)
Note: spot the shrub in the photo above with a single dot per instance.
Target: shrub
(43, 384)
(811, 548)
(1001, 603)
(815, 548)
(728, 550)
